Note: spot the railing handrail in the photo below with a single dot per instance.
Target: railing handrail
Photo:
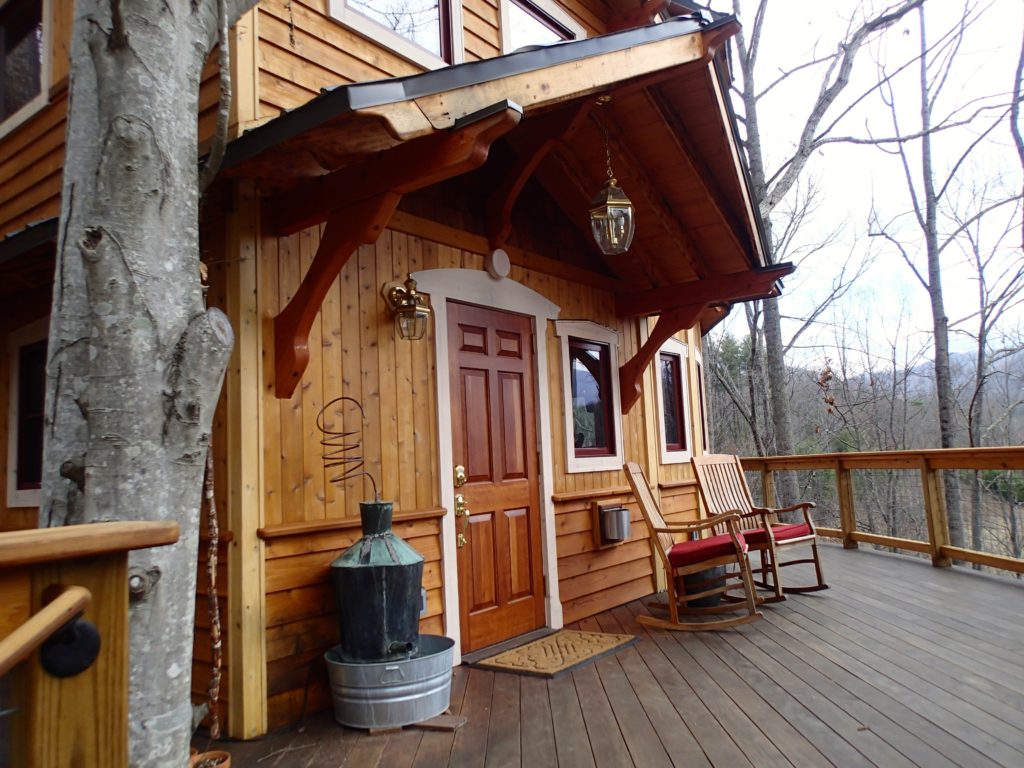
(989, 457)
(20, 644)
(43, 545)
(930, 462)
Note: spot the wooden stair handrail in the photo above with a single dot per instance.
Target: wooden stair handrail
(20, 644)
(41, 545)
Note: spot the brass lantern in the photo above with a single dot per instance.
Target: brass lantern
(611, 218)
(410, 307)
(611, 213)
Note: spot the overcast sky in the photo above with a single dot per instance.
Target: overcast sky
(889, 302)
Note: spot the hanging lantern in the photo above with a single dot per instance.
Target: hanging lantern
(611, 212)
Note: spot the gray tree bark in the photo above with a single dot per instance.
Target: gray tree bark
(135, 361)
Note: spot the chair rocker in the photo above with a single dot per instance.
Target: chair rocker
(723, 487)
(690, 557)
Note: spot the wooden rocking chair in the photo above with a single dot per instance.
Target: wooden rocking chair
(690, 557)
(723, 487)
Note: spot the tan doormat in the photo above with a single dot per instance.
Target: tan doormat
(557, 653)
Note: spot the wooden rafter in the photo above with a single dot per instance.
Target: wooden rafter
(711, 290)
(357, 203)
(699, 169)
(536, 139)
(655, 200)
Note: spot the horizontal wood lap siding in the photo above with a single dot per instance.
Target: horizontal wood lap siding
(590, 579)
(481, 29)
(30, 171)
(302, 49)
(301, 617)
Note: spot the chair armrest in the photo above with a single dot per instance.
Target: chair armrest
(803, 506)
(701, 525)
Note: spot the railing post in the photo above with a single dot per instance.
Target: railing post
(847, 513)
(768, 486)
(935, 513)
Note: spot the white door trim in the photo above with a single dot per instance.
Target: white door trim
(477, 287)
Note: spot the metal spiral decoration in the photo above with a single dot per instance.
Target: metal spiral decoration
(344, 448)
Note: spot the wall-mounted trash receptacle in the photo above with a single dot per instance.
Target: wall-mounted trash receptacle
(614, 524)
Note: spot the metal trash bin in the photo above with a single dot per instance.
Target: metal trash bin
(614, 524)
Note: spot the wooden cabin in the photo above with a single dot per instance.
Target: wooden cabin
(450, 152)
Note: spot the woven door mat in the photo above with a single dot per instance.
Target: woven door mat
(556, 653)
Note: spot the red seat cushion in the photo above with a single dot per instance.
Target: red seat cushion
(783, 532)
(699, 550)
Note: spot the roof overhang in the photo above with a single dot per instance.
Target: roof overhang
(654, 96)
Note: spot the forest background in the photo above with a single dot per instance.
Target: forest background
(885, 143)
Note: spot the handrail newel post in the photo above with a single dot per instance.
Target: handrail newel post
(768, 487)
(935, 513)
(847, 512)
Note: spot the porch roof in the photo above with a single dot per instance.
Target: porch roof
(670, 129)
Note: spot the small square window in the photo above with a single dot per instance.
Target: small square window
(673, 402)
(592, 404)
(27, 360)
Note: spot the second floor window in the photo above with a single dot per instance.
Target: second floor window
(21, 54)
(535, 22)
(424, 23)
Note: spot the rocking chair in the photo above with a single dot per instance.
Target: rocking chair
(723, 487)
(685, 558)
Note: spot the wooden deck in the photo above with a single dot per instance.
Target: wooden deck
(899, 664)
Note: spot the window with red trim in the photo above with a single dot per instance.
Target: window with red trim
(591, 391)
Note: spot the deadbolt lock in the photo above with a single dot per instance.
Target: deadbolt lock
(460, 476)
(461, 508)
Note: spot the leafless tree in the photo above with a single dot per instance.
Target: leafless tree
(135, 360)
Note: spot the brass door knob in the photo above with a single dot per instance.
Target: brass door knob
(459, 476)
(461, 507)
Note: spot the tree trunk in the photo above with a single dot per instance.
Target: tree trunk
(135, 362)
(940, 323)
(775, 362)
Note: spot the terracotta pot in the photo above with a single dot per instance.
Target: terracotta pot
(214, 757)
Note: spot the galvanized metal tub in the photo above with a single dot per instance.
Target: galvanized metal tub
(393, 693)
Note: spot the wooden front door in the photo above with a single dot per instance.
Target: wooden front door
(494, 437)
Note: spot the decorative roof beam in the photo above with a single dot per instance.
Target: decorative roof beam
(357, 203)
(668, 325)
(537, 137)
(719, 289)
(405, 168)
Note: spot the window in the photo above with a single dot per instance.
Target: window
(420, 31)
(27, 360)
(591, 386)
(673, 402)
(535, 22)
(22, 59)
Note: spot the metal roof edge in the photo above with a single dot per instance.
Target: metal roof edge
(352, 97)
(28, 238)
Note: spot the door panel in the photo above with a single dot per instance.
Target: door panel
(501, 592)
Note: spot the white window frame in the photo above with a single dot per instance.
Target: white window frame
(700, 394)
(590, 331)
(675, 347)
(402, 46)
(27, 334)
(548, 7)
(41, 100)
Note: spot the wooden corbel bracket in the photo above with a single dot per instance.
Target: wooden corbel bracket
(668, 325)
(674, 317)
(357, 202)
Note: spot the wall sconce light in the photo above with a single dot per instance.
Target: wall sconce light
(611, 213)
(410, 307)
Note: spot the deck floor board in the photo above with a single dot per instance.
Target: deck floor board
(898, 665)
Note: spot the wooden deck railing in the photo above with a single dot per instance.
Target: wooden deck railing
(930, 463)
(47, 577)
